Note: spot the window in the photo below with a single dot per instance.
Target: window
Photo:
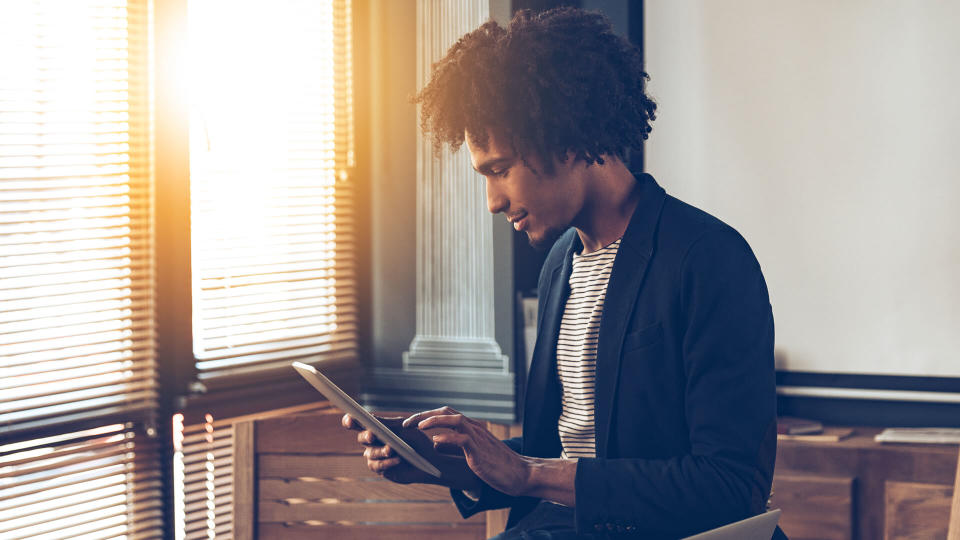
(85, 423)
(272, 228)
(78, 386)
(270, 156)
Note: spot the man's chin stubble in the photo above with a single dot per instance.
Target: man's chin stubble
(546, 241)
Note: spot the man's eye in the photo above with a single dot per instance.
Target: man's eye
(500, 173)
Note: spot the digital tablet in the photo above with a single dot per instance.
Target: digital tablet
(346, 404)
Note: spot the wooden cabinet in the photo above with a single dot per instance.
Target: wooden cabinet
(861, 489)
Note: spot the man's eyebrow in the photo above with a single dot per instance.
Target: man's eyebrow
(487, 166)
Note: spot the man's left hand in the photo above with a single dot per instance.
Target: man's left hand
(488, 457)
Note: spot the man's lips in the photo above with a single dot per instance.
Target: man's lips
(519, 221)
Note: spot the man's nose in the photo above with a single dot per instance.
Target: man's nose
(496, 201)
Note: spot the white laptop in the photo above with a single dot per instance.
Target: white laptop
(758, 527)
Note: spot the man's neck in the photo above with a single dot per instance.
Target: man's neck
(611, 199)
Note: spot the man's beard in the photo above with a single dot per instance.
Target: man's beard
(546, 241)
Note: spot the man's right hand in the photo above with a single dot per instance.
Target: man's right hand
(385, 461)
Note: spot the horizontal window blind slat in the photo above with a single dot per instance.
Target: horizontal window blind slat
(249, 372)
(230, 315)
(141, 410)
(270, 329)
(104, 348)
(79, 272)
(67, 214)
(27, 294)
(272, 299)
(40, 368)
(213, 358)
(36, 387)
(58, 338)
(45, 405)
(267, 269)
(104, 402)
(133, 245)
(69, 183)
(42, 317)
(289, 241)
(286, 316)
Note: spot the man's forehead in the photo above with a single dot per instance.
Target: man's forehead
(495, 150)
(482, 155)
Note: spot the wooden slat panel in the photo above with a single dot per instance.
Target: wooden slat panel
(296, 466)
(405, 512)
(310, 434)
(244, 478)
(814, 507)
(274, 488)
(915, 511)
(276, 531)
(307, 434)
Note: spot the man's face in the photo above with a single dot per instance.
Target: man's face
(543, 206)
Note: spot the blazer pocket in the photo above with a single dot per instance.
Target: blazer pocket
(643, 337)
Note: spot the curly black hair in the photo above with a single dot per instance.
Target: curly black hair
(553, 82)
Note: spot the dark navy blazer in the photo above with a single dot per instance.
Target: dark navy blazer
(685, 406)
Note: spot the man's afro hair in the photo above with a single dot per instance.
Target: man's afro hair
(554, 82)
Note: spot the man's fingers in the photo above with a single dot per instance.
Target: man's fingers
(452, 437)
(454, 421)
(416, 418)
(449, 449)
(367, 438)
(378, 452)
(350, 423)
(380, 465)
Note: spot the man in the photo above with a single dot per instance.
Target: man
(650, 403)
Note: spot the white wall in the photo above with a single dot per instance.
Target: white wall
(826, 132)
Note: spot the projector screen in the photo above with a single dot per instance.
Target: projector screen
(828, 134)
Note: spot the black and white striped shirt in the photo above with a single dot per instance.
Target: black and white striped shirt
(577, 349)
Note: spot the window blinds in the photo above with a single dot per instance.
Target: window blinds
(98, 483)
(271, 151)
(77, 335)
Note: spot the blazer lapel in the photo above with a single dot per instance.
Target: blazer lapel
(629, 268)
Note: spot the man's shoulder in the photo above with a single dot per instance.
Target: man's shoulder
(690, 239)
(683, 226)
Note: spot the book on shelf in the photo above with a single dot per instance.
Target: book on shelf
(789, 425)
(919, 435)
(829, 434)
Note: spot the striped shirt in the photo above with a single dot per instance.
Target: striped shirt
(577, 349)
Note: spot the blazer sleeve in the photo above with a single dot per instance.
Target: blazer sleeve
(730, 406)
(490, 498)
